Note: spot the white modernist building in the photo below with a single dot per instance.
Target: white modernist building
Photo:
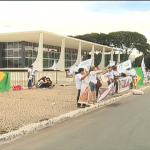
(18, 50)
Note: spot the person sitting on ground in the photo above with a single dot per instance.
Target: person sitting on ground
(49, 82)
(43, 83)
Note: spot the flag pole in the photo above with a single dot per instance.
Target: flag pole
(56, 76)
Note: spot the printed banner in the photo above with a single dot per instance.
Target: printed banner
(4, 81)
(123, 66)
(103, 92)
(124, 83)
(85, 91)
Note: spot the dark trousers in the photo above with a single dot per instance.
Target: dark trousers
(78, 96)
(30, 83)
(97, 89)
(116, 86)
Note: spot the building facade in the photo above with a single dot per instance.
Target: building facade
(20, 49)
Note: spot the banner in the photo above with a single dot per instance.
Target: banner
(103, 92)
(123, 66)
(124, 83)
(54, 65)
(85, 91)
(4, 81)
(143, 63)
(140, 76)
(112, 63)
(87, 62)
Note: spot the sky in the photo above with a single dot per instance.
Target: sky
(75, 17)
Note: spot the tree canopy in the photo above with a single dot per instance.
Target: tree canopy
(126, 40)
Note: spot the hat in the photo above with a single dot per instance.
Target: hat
(47, 76)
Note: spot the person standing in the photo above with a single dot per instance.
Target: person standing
(92, 83)
(78, 80)
(116, 76)
(110, 76)
(30, 77)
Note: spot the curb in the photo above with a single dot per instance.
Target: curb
(41, 125)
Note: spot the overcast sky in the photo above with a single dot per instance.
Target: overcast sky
(75, 17)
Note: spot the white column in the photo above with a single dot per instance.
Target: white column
(92, 54)
(79, 59)
(118, 57)
(38, 64)
(112, 53)
(61, 62)
(102, 64)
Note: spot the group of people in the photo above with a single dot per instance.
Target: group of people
(95, 83)
(43, 82)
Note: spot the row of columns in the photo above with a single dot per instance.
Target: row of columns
(38, 64)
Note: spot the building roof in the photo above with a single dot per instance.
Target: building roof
(50, 38)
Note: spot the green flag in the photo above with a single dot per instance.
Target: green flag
(140, 76)
(4, 81)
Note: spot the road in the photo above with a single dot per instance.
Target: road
(124, 125)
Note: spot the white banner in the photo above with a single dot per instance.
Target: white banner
(123, 66)
(112, 63)
(54, 65)
(87, 62)
(143, 64)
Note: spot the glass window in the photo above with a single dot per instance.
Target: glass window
(16, 63)
(45, 63)
(15, 54)
(20, 62)
(26, 62)
(4, 53)
(34, 53)
(4, 63)
(20, 44)
(10, 53)
(4, 45)
(15, 45)
(20, 53)
(10, 62)
(10, 45)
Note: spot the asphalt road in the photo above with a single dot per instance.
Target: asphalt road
(124, 125)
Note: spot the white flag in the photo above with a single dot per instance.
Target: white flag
(123, 66)
(112, 63)
(143, 64)
(54, 65)
(87, 63)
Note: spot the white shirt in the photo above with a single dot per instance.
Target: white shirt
(99, 75)
(109, 74)
(116, 73)
(92, 77)
(32, 72)
(78, 81)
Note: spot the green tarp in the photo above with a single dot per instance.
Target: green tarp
(140, 75)
(4, 81)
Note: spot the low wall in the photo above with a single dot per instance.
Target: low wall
(20, 78)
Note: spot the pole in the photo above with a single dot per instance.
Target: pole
(56, 76)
